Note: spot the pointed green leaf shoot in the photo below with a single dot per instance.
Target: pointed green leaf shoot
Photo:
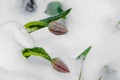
(83, 56)
(56, 17)
(84, 53)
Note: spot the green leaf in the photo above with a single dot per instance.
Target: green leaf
(36, 51)
(83, 56)
(84, 53)
(56, 17)
(36, 25)
(54, 8)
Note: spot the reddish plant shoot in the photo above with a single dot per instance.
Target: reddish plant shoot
(59, 65)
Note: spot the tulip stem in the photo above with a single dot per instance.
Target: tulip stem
(80, 76)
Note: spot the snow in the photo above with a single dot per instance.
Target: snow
(90, 23)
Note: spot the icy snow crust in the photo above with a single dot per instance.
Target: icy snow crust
(90, 23)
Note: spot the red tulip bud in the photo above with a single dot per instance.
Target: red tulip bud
(59, 65)
(57, 28)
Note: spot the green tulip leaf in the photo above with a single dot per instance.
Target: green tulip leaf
(84, 53)
(36, 51)
(35, 25)
(56, 17)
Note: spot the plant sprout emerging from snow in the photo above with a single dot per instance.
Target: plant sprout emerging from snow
(56, 27)
(84, 53)
(36, 25)
(56, 63)
(82, 56)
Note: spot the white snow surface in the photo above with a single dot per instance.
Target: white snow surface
(90, 23)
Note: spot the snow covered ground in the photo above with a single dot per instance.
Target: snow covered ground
(90, 23)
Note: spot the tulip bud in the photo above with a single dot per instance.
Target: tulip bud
(59, 65)
(57, 28)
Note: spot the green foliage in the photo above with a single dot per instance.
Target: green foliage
(83, 56)
(56, 63)
(56, 17)
(36, 25)
(84, 53)
(36, 51)
(54, 8)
